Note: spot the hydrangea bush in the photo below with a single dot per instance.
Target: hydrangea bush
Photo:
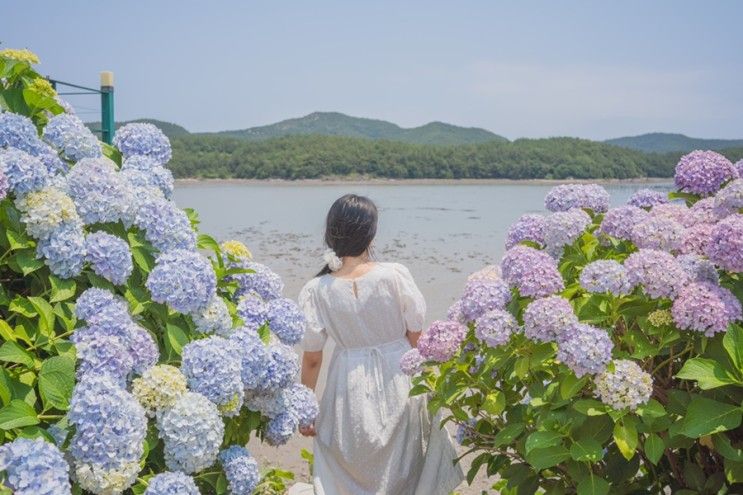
(614, 363)
(134, 347)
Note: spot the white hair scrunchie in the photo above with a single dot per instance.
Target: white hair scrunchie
(332, 260)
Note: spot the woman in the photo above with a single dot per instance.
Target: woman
(370, 437)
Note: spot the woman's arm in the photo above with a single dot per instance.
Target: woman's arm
(413, 337)
(311, 363)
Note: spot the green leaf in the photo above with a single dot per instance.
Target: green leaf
(545, 458)
(590, 407)
(17, 414)
(725, 448)
(593, 485)
(508, 434)
(708, 373)
(542, 439)
(61, 289)
(625, 436)
(654, 447)
(586, 449)
(733, 471)
(495, 402)
(27, 261)
(733, 344)
(176, 337)
(45, 312)
(56, 380)
(6, 332)
(571, 385)
(5, 392)
(706, 416)
(652, 410)
(10, 352)
(18, 240)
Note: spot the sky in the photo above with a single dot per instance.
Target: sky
(592, 69)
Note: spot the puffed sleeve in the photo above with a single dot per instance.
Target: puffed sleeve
(315, 334)
(413, 304)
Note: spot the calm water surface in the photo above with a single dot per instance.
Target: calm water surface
(441, 232)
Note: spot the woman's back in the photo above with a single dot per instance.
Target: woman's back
(365, 311)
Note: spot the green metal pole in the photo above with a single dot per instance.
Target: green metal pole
(108, 127)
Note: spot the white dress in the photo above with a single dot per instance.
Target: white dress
(372, 438)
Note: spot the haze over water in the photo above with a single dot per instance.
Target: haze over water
(442, 232)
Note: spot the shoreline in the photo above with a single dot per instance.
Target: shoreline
(339, 181)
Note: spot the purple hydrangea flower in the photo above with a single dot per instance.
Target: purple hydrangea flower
(212, 368)
(706, 308)
(549, 318)
(286, 320)
(647, 198)
(674, 211)
(63, 250)
(695, 239)
(215, 318)
(703, 172)
(166, 226)
(184, 280)
(99, 192)
(730, 197)
(240, 469)
(441, 340)
(529, 227)
(481, 296)
(109, 256)
(25, 173)
(34, 467)
(143, 139)
(657, 271)
(411, 363)
(698, 269)
(280, 429)
(705, 211)
(495, 327)
(69, 135)
(490, 272)
(725, 247)
(585, 349)
(605, 276)
(739, 167)
(532, 271)
(564, 227)
(660, 233)
(619, 222)
(454, 313)
(627, 387)
(253, 311)
(171, 483)
(567, 196)
(466, 431)
(263, 281)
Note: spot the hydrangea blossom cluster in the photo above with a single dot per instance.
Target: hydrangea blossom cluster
(215, 318)
(212, 368)
(674, 211)
(34, 467)
(549, 319)
(696, 239)
(144, 171)
(528, 227)
(280, 429)
(481, 296)
(46, 210)
(698, 268)
(303, 404)
(109, 257)
(63, 250)
(706, 211)
(465, 431)
(96, 479)
(658, 272)
(236, 249)
(166, 226)
(254, 358)
(241, 470)
(705, 307)
(454, 313)
(99, 193)
(171, 483)
(647, 198)
(532, 271)
(626, 387)
(441, 340)
(495, 327)
(605, 276)
(564, 227)
(703, 172)
(143, 139)
(253, 311)
(19, 132)
(490, 272)
(71, 137)
(184, 280)
(262, 281)
(585, 349)
(25, 172)
(660, 233)
(192, 432)
(411, 363)
(730, 197)
(283, 366)
(567, 196)
(618, 222)
(725, 247)
(159, 387)
(286, 320)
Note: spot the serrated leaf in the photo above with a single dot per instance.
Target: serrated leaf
(571, 385)
(495, 402)
(625, 436)
(732, 341)
(11, 352)
(590, 407)
(586, 449)
(593, 485)
(45, 312)
(56, 381)
(706, 416)
(548, 457)
(542, 439)
(176, 337)
(17, 414)
(707, 373)
(508, 434)
(654, 448)
(61, 289)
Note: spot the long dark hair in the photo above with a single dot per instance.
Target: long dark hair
(350, 227)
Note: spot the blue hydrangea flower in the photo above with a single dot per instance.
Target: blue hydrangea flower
(411, 362)
(567, 196)
(162, 178)
(255, 358)
(562, 228)
(4, 184)
(253, 311)
(18, 131)
(104, 481)
(549, 319)
(263, 282)
(25, 173)
(212, 368)
(34, 467)
(166, 226)
(286, 320)
(45, 210)
(184, 280)
(585, 349)
(466, 431)
(533, 272)
(283, 366)
(100, 354)
(192, 432)
(214, 319)
(660, 233)
(63, 250)
(98, 191)
(143, 139)
(280, 429)
(618, 222)
(51, 160)
(659, 273)
(141, 163)
(109, 256)
(69, 135)
(110, 425)
(270, 403)
(171, 483)
(699, 269)
(144, 171)
(240, 469)
(143, 348)
(303, 404)
(92, 303)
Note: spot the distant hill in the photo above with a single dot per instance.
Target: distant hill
(171, 130)
(338, 124)
(659, 142)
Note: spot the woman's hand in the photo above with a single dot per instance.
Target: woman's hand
(308, 431)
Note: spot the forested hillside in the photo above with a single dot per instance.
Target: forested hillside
(660, 142)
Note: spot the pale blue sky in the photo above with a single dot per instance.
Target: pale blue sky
(594, 69)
